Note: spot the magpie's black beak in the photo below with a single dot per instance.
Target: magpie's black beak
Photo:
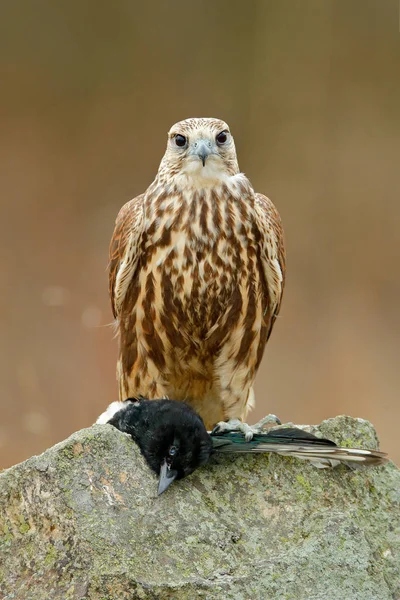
(167, 476)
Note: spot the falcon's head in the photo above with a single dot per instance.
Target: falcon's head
(200, 149)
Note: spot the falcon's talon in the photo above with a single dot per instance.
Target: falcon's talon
(249, 431)
(227, 426)
(268, 419)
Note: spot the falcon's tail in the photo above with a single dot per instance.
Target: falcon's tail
(290, 441)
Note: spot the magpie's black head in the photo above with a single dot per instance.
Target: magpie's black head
(171, 436)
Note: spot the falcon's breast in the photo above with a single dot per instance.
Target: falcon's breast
(195, 274)
(199, 271)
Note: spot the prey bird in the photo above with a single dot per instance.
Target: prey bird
(174, 441)
(196, 276)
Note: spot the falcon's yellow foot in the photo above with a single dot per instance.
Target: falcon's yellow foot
(248, 430)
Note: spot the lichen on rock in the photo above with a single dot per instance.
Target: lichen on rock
(83, 521)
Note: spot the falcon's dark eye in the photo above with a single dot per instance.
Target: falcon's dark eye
(221, 137)
(173, 450)
(180, 140)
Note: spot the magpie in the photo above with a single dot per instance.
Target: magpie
(174, 441)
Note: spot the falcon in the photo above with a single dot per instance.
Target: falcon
(196, 276)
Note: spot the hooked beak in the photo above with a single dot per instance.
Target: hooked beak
(203, 149)
(167, 476)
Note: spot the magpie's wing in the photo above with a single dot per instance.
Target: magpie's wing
(291, 441)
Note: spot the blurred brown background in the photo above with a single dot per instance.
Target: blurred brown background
(311, 91)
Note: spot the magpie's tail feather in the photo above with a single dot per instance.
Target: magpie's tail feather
(290, 441)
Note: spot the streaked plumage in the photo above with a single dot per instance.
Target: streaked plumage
(197, 268)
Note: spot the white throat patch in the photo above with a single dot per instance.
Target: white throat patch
(112, 409)
(206, 176)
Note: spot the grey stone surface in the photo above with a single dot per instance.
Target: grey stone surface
(83, 521)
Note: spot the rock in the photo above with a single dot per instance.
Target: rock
(83, 521)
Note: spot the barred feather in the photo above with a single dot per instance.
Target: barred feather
(322, 453)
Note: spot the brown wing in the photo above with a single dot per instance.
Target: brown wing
(273, 255)
(124, 250)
